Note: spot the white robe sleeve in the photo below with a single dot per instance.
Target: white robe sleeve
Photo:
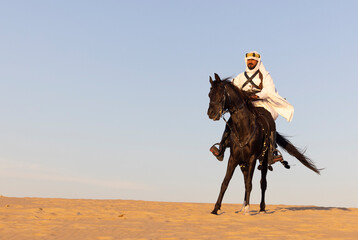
(237, 81)
(268, 87)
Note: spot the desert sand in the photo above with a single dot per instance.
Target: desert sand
(47, 218)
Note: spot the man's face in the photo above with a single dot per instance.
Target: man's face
(251, 63)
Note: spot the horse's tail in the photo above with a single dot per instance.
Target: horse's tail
(299, 154)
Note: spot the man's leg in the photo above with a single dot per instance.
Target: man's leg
(224, 143)
(274, 154)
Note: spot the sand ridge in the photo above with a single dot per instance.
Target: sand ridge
(50, 218)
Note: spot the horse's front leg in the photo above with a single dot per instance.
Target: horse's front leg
(229, 172)
(248, 175)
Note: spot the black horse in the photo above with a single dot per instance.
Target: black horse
(248, 140)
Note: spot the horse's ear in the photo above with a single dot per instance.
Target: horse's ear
(217, 78)
(211, 80)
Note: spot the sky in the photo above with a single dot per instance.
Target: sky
(108, 99)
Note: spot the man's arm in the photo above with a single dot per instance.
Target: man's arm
(268, 88)
(237, 81)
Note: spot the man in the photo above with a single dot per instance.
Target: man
(257, 81)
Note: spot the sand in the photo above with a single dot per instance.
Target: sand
(47, 218)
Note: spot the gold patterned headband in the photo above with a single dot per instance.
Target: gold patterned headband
(253, 55)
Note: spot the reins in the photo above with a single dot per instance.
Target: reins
(241, 145)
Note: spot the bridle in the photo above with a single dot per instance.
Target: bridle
(223, 111)
(223, 101)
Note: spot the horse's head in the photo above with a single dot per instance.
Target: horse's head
(217, 97)
(224, 96)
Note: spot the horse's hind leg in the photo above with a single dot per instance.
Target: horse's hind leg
(229, 172)
(263, 183)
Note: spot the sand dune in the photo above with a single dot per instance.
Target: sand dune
(46, 218)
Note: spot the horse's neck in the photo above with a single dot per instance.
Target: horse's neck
(242, 117)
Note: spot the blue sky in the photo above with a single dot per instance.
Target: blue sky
(108, 99)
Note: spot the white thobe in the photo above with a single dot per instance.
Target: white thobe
(268, 97)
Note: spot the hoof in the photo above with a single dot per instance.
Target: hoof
(285, 164)
(270, 168)
(262, 212)
(220, 158)
(214, 212)
(216, 152)
(247, 210)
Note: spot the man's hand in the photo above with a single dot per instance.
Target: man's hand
(254, 97)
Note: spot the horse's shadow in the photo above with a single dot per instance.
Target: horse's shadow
(284, 209)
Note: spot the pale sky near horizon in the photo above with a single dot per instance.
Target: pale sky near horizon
(108, 99)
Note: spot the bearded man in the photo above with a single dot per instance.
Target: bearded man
(257, 82)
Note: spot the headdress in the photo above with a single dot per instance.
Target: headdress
(253, 55)
(256, 56)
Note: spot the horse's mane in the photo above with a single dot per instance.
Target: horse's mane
(242, 94)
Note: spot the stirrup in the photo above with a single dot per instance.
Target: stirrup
(216, 152)
(277, 156)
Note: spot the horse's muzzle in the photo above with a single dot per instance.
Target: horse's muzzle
(214, 115)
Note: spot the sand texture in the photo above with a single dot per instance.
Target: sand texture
(46, 218)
